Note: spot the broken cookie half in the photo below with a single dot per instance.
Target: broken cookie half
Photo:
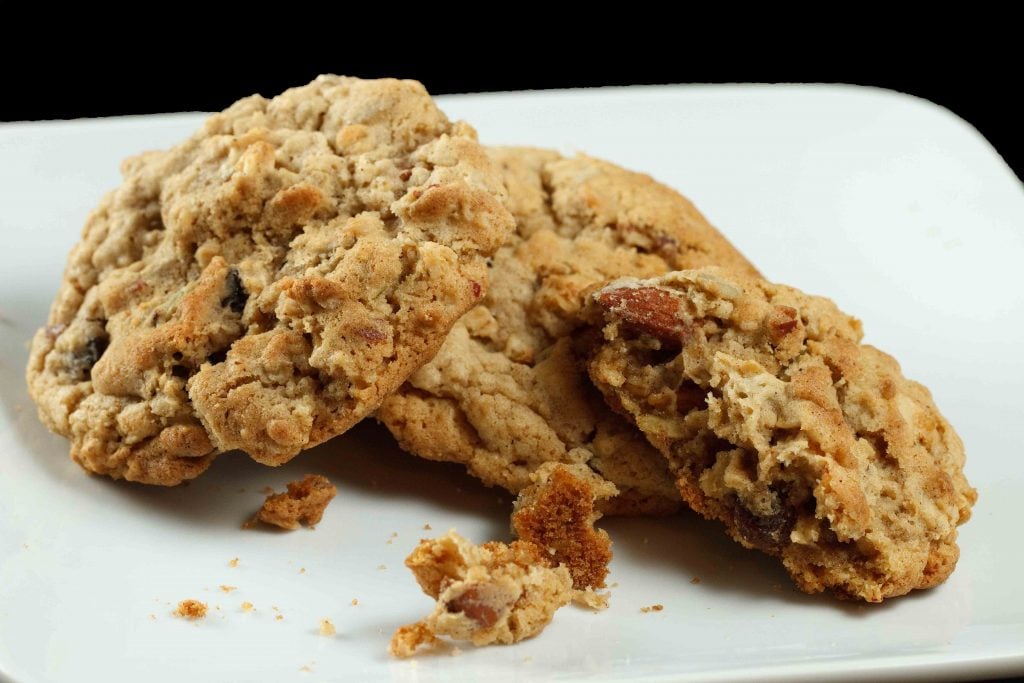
(777, 421)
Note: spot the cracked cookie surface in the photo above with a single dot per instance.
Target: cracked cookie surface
(506, 393)
(264, 284)
(777, 421)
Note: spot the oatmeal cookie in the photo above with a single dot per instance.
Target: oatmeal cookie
(264, 284)
(777, 421)
(506, 393)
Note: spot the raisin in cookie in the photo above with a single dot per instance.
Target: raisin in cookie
(506, 393)
(778, 422)
(263, 285)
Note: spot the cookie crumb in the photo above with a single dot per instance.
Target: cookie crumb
(233, 563)
(228, 589)
(491, 593)
(152, 616)
(381, 567)
(427, 527)
(591, 598)
(695, 580)
(652, 608)
(409, 638)
(302, 570)
(190, 609)
(327, 627)
(557, 513)
(355, 601)
(303, 503)
(279, 617)
(247, 607)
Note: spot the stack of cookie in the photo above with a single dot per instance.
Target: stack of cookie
(344, 250)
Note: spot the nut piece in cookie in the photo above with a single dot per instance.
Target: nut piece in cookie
(487, 594)
(557, 514)
(264, 284)
(507, 392)
(777, 421)
(303, 503)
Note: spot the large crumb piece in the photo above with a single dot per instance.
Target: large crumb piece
(411, 637)
(492, 593)
(591, 598)
(557, 512)
(191, 609)
(304, 503)
(327, 627)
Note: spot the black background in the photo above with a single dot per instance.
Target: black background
(103, 74)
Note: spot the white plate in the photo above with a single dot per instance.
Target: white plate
(895, 208)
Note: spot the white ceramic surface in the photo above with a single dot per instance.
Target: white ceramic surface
(894, 207)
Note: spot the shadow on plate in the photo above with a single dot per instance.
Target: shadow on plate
(366, 461)
(699, 552)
